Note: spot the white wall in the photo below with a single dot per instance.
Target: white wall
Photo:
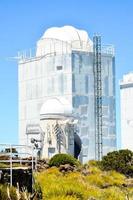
(126, 97)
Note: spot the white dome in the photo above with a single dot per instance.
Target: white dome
(66, 33)
(55, 106)
(63, 40)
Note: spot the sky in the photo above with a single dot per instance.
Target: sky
(23, 22)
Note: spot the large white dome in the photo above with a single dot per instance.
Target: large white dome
(55, 106)
(66, 33)
(63, 40)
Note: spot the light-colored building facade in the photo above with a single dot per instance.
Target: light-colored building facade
(126, 99)
(63, 67)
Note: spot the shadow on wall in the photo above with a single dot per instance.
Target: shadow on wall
(77, 145)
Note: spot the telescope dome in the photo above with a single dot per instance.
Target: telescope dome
(55, 106)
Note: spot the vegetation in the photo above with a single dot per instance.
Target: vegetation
(4, 157)
(61, 159)
(104, 180)
(12, 193)
(121, 161)
(8, 150)
(95, 184)
(7, 165)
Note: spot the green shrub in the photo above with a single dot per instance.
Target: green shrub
(61, 159)
(121, 161)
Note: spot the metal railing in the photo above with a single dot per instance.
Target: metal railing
(17, 154)
(52, 47)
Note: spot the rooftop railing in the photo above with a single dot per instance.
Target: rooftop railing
(49, 47)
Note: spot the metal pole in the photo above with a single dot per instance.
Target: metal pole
(10, 165)
(32, 166)
(59, 140)
(32, 158)
(36, 161)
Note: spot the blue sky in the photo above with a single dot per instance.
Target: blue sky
(23, 22)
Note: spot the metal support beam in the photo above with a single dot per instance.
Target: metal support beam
(98, 96)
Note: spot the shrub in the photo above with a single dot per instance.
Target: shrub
(98, 185)
(61, 159)
(3, 193)
(37, 191)
(70, 186)
(121, 161)
(6, 192)
(13, 193)
(113, 193)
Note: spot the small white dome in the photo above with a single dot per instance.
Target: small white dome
(56, 106)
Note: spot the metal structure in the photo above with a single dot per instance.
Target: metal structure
(98, 96)
(61, 140)
(17, 157)
(34, 130)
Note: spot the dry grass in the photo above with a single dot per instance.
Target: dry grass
(97, 185)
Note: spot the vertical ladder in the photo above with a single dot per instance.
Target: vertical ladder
(98, 96)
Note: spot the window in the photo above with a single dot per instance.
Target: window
(86, 84)
(73, 83)
(59, 67)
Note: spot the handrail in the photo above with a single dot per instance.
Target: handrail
(11, 159)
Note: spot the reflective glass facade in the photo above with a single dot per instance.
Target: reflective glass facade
(83, 101)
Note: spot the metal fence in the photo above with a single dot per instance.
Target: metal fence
(21, 154)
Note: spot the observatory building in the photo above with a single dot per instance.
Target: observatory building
(126, 98)
(68, 84)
